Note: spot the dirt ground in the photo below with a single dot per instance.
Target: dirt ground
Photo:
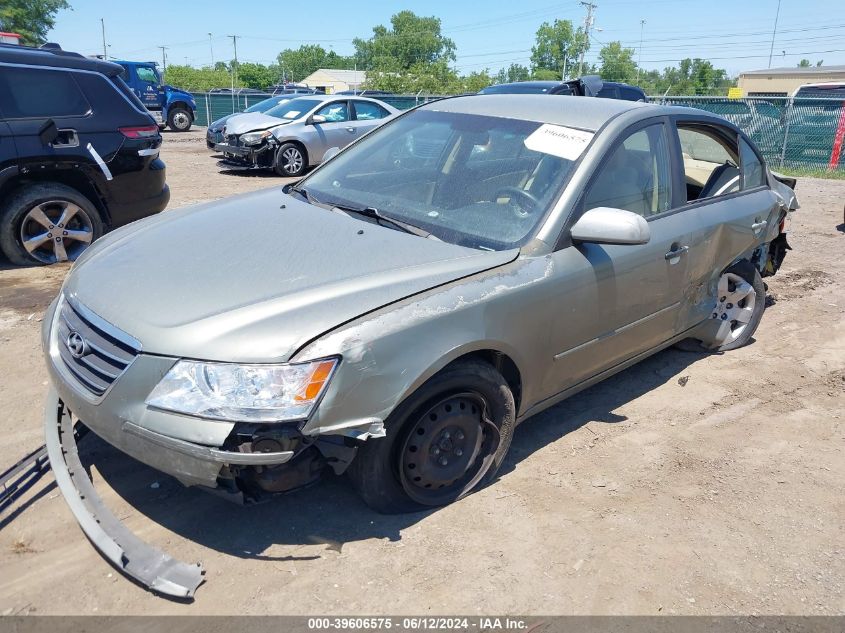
(690, 483)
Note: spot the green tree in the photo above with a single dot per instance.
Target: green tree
(557, 49)
(258, 75)
(198, 79)
(617, 63)
(514, 72)
(31, 19)
(412, 40)
(804, 63)
(297, 64)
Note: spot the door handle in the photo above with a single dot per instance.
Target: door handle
(676, 253)
(350, 129)
(759, 226)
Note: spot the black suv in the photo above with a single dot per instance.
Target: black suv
(78, 154)
(586, 86)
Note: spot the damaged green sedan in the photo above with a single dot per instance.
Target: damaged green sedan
(398, 312)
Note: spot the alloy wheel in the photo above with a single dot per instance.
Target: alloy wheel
(734, 308)
(292, 160)
(56, 231)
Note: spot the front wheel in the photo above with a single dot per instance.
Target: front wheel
(179, 120)
(290, 161)
(447, 439)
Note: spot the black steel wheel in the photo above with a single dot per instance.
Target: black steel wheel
(444, 441)
(448, 449)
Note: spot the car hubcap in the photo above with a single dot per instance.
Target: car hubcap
(448, 450)
(56, 231)
(734, 308)
(181, 120)
(291, 160)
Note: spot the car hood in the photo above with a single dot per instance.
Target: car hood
(253, 278)
(216, 126)
(252, 122)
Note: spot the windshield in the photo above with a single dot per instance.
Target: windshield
(263, 106)
(478, 181)
(293, 109)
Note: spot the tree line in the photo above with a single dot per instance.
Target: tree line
(412, 54)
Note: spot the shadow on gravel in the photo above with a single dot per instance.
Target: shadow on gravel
(330, 512)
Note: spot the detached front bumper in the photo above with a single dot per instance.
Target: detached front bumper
(146, 564)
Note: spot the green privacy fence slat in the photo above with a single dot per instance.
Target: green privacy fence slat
(804, 133)
(214, 105)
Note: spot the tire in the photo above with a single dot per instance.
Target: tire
(383, 471)
(20, 222)
(285, 162)
(741, 332)
(179, 120)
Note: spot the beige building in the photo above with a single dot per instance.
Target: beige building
(782, 82)
(333, 80)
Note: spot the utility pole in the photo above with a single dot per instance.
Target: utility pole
(234, 69)
(163, 58)
(588, 24)
(640, 54)
(774, 33)
(103, 26)
(211, 47)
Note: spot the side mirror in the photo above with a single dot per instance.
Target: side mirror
(317, 118)
(605, 225)
(331, 153)
(48, 132)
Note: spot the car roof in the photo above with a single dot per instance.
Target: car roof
(586, 114)
(322, 97)
(56, 58)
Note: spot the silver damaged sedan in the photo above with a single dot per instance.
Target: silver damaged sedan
(398, 312)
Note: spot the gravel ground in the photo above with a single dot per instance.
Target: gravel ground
(690, 483)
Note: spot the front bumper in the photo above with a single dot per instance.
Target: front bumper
(146, 564)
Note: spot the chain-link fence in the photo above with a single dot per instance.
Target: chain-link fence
(799, 134)
(214, 105)
(804, 134)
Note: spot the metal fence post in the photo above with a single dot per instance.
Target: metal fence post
(207, 111)
(789, 105)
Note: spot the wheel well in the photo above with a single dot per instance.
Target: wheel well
(183, 105)
(69, 178)
(503, 364)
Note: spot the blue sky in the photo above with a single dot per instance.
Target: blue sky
(735, 34)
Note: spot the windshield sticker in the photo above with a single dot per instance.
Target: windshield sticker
(292, 114)
(558, 140)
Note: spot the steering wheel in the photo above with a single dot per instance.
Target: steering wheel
(527, 203)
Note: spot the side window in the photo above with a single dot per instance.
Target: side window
(753, 174)
(366, 111)
(146, 74)
(637, 176)
(36, 93)
(710, 163)
(334, 112)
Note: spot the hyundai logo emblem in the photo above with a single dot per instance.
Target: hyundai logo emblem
(76, 344)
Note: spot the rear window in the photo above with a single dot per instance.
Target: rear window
(822, 92)
(128, 92)
(36, 93)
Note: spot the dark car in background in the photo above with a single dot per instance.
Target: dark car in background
(587, 86)
(79, 154)
(214, 133)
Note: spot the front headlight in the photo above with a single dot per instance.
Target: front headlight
(243, 393)
(254, 138)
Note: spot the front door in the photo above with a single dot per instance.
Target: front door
(336, 131)
(616, 301)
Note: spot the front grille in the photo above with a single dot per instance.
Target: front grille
(104, 357)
